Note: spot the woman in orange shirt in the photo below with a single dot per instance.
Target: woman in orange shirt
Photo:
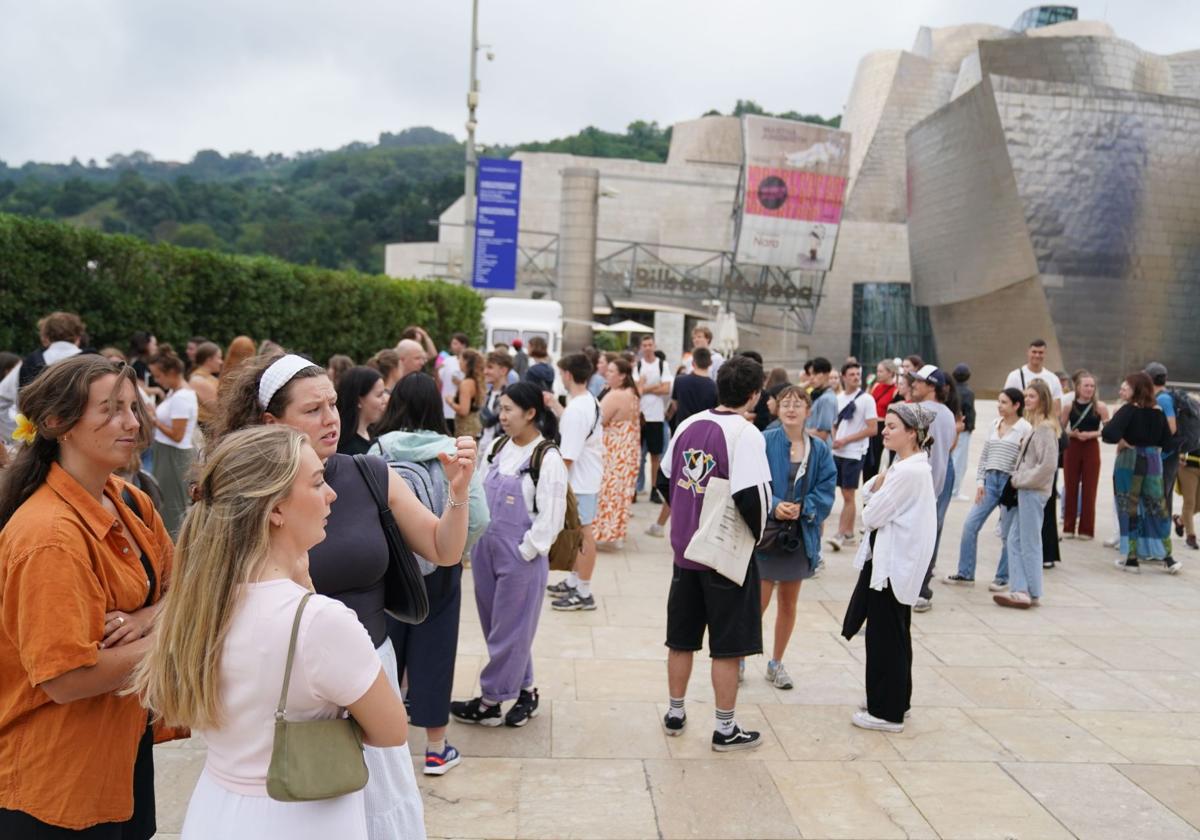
(83, 559)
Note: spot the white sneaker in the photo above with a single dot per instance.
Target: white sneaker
(862, 707)
(866, 720)
(655, 530)
(848, 540)
(961, 498)
(923, 605)
(834, 542)
(997, 586)
(1115, 543)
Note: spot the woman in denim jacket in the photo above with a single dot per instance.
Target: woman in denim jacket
(802, 482)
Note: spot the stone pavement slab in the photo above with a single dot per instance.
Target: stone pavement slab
(1078, 719)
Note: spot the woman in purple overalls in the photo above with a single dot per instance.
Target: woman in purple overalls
(509, 562)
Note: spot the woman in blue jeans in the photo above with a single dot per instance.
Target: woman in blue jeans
(996, 464)
(1033, 479)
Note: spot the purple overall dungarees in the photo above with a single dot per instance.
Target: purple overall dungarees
(508, 588)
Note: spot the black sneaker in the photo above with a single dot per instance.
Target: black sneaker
(674, 725)
(525, 708)
(738, 739)
(1128, 564)
(1172, 565)
(560, 589)
(473, 711)
(655, 498)
(574, 601)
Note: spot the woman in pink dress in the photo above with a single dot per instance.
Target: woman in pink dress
(622, 444)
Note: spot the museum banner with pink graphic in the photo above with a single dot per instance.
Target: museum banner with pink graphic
(794, 180)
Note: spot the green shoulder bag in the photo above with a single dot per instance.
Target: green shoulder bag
(313, 759)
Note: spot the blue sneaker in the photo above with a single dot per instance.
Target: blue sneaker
(439, 764)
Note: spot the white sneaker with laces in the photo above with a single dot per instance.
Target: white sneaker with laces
(655, 530)
(866, 720)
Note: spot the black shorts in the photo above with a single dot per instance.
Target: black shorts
(653, 437)
(732, 613)
(849, 471)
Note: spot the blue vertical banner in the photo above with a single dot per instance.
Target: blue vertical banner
(497, 209)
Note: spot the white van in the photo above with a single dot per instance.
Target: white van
(506, 318)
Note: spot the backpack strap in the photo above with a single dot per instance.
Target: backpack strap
(535, 466)
(131, 502)
(497, 445)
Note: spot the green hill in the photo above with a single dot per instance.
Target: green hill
(333, 209)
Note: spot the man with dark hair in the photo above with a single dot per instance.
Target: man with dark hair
(824, 408)
(654, 379)
(928, 388)
(1170, 457)
(582, 448)
(856, 423)
(691, 393)
(450, 375)
(715, 444)
(1035, 368)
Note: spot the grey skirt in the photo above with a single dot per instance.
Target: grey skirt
(173, 471)
(779, 565)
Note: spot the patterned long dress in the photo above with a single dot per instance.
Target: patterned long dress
(1141, 506)
(622, 445)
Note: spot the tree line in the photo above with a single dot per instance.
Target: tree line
(333, 209)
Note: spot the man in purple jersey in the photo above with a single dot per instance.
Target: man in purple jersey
(718, 443)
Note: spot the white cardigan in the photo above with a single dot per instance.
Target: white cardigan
(904, 512)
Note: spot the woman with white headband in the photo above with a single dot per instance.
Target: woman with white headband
(350, 564)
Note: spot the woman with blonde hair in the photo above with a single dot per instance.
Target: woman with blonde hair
(467, 401)
(221, 646)
(84, 560)
(1033, 479)
(1081, 420)
(350, 564)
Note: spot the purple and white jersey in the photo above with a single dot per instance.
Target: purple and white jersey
(699, 451)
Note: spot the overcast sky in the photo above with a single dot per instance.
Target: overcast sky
(87, 78)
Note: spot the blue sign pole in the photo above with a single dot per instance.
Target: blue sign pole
(497, 219)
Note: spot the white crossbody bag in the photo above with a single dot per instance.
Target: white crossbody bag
(723, 541)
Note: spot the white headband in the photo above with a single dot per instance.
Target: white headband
(279, 374)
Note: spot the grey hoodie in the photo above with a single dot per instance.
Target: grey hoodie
(425, 446)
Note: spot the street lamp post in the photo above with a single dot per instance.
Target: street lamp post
(468, 258)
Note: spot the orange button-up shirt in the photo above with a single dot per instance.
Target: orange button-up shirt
(62, 567)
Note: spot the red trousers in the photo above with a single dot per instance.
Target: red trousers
(1081, 470)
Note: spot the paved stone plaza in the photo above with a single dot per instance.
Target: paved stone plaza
(1078, 718)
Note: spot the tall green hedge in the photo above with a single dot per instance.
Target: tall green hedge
(120, 284)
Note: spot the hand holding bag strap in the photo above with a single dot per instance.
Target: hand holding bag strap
(281, 710)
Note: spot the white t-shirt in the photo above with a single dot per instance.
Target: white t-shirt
(649, 374)
(334, 666)
(449, 374)
(1014, 381)
(864, 410)
(582, 443)
(180, 404)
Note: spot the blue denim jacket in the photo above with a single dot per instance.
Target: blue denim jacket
(818, 497)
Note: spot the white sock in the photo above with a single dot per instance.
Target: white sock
(676, 710)
(725, 722)
(584, 587)
(573, 580)
(438, 747)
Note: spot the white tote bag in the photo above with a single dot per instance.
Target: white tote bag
(723, 541)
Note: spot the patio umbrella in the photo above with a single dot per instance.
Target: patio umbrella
(626, 326)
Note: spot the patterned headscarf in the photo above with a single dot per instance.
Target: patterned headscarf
(916, 418)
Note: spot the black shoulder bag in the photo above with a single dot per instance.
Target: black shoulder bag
(404, 595)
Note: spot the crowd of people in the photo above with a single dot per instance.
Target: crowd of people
(165, 521)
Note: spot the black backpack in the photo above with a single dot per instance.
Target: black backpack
(1187, 422)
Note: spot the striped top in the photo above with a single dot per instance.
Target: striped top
(1000, 453)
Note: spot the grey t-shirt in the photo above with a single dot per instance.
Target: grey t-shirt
(349, 565)
(944, 432)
